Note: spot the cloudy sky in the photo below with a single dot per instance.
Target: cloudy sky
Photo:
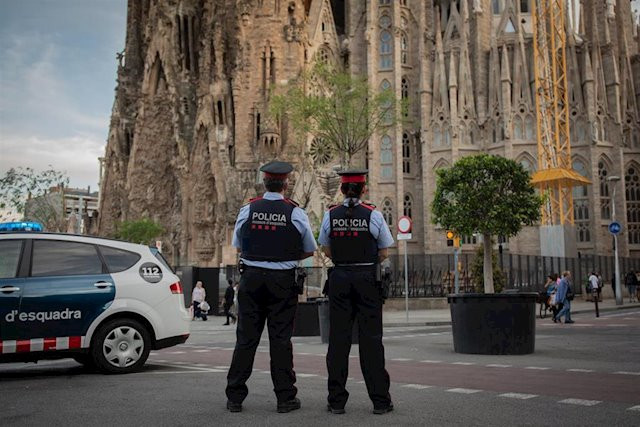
(57, 80)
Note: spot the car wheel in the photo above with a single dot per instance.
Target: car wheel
(121, 346)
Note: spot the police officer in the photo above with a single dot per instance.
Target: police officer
(272, 234)
(356, 237)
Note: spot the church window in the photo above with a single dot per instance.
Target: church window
(581, 206)
(517, 128)
(437, 137)
(385, 21)
(496, 6)
(387, 212)
(387, 106)
(386, 157)
(407, 205)
(605, 197)
(386, 50)
(385, 2)
(406, 153)
(632, 193)
(447, 137)
(220, 113)
(529, 128)
(524, 6)
(403, 2)
(272, 68)
(404, 49)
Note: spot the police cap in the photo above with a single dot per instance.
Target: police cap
(353, 175)
(276, 169)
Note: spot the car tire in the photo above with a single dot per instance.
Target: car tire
(120, 346)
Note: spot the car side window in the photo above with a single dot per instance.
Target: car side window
(9, 258)
(118, 259)
(62, 258)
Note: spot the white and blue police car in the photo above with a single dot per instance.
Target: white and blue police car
(105, 303)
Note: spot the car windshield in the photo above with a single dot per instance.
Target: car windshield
(158, 255)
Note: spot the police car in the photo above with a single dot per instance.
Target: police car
(105, 303)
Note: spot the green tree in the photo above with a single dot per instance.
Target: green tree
(337, 108)
(143, 231)
(485, 194)
(34, 196)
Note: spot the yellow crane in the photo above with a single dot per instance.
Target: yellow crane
(555, 176)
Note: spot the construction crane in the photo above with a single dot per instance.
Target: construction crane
(555, 176)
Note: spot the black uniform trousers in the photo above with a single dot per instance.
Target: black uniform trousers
(353, 294)
(264, 295)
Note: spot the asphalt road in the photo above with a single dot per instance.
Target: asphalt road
(583, 374)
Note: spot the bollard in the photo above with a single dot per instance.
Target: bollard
(595, 298)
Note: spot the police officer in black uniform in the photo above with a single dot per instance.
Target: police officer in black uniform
(356, 237)
(273, 234)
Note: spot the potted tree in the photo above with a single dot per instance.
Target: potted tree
(491, 196)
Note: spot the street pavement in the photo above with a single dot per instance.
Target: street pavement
(584, 374)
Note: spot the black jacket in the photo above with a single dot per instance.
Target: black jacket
(228, 295)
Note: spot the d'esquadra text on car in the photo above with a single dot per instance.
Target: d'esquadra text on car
(105, 303)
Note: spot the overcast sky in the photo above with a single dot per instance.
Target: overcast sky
(57, 80)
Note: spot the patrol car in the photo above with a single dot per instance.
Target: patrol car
(105, 303)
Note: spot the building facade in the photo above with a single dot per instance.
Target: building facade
(191, 124)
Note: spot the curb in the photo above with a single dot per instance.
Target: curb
(448, 322)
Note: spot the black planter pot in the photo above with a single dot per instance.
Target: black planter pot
(306, 322)
(493, 323)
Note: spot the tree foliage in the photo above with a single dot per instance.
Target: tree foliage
(485, 194)
(337, 108)
(143, 231)
(27, 194)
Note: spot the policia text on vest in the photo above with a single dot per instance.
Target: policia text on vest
(356, 237)
(272, 234)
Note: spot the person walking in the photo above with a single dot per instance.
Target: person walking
(229, 295)
(550, 287)
(564, 294)
(356, 237)
(594, 286)
(273, 234)
(197, 297)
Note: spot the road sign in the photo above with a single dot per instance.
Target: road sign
(615, 227)
(404, 236)
(404, 224)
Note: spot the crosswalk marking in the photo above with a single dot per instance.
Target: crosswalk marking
(400, 359)
(634, 408)
(580, 370)
(498, 365)
(176, 352)
(416, 386)
(463, 390)
(201, 351)
(626, 373)
(581, 402)
(431, 361)
(521, 396)
(539, 368)
(306, 375)
(463, 363)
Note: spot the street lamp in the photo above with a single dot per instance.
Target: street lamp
(614, 179)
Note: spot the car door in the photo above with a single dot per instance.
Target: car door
(67, 289)
(11, 288)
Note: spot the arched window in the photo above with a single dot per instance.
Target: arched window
(529, 128)
(581, 206)
(518, 132)
(388, 105)
(437, 136)
(404, 93)
(605, 197)
(527, 163)
(386, 157)
(404, 49)
(385, 2)
(386, 50)
(632, 194)
(406, 153)
(524, 6)
(387, 211)
(407, 205)
(496, 6)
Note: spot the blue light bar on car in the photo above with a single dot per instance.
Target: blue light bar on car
(21, 226)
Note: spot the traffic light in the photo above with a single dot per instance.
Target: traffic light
(450, 237)
(453, 239)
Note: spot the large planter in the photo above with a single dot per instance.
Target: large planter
(306, 321)
(493, 323)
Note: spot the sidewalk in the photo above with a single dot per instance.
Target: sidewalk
(439, 317)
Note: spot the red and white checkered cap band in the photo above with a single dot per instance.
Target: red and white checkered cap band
(41, 344)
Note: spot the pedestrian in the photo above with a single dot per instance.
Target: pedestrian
(564, 295)
(550, 287)
(273, 234)
(356, 237)
(197, 297)
(632, 285)
(229, 295)
(593, 286)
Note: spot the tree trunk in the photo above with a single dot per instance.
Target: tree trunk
(488, 264)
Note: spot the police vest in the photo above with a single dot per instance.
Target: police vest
(268, 234)
(351, 242)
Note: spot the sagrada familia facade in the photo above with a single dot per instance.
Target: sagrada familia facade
(191, 124)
